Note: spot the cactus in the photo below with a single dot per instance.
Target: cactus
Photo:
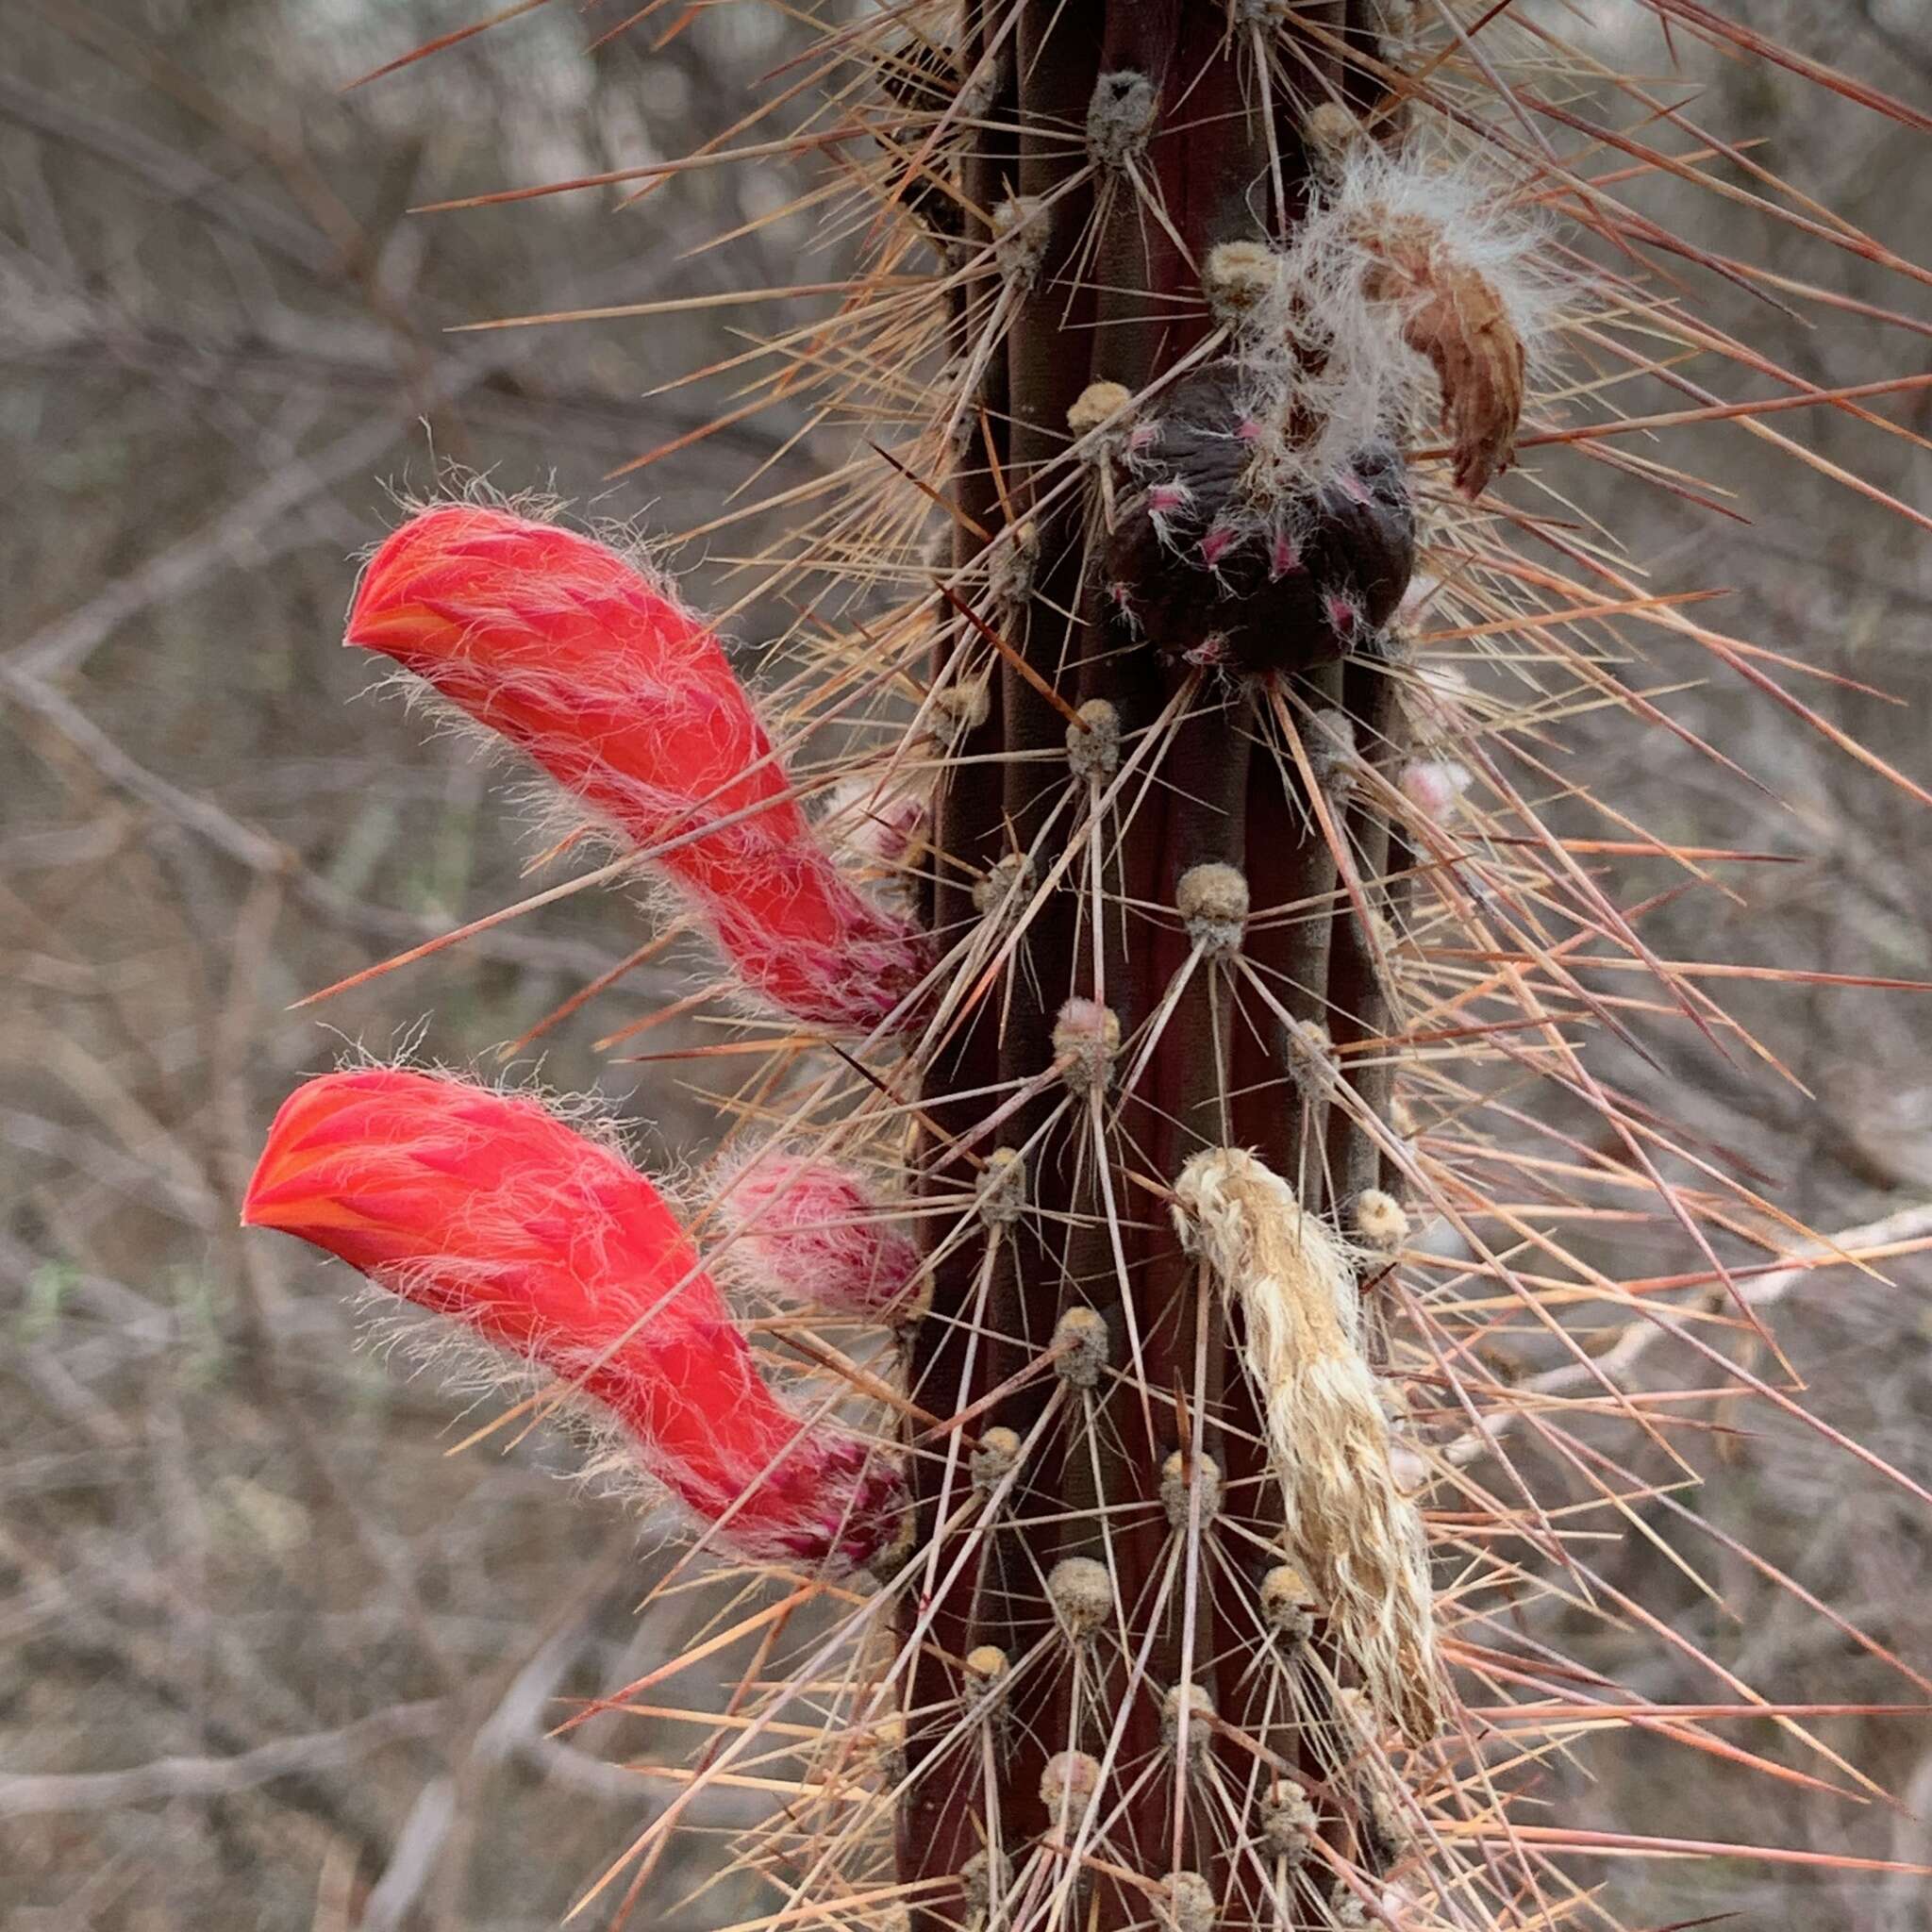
(1190, 950)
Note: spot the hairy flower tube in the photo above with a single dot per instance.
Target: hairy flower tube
(487, 1209)
(565, 648)
(808, 1231)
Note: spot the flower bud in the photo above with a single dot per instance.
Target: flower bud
(808, 1231)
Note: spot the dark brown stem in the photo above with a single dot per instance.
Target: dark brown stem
(1114, 297)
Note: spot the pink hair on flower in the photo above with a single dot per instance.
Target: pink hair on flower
(808, 1231)
(487, 1209)
(1216, 543)
(1432, 786)
(565, 648)
(1344, 614)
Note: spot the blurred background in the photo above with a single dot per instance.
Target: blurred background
(269, 1656)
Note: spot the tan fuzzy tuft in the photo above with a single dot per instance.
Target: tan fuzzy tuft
(983, 1877)
(1348, 1524)
(1380, 1222)
(1330, 129)
(1081, 1593)
(1069, 1782)
(1002, 1188)
(1019, 239)
(1288, 1825)
(1191, 1904)
(1212, 901)
(1200, 1712)
(1238, 280)
(1080, 1338)
(1288, 1605)
(986, 1665)
(1098, 403)
(1001, 894)
(959, 709)
(1180, 1476)
(993, 1460)
(1093, 745)
(1086, 1042)
(1120, 117)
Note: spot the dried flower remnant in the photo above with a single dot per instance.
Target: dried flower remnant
(1400, 261)
(487, 1209)
(1149, 317)
(565, 648)
(1455, 315)
(1348, 1525)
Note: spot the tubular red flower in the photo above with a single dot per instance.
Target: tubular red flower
(486, 1208)
(565, 648)
(809, 1231)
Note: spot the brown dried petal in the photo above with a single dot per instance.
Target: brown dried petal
(1457, 318)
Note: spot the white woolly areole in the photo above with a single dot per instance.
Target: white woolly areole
(956, 711)
(1001, 894)
(1120, 117)
(1348, 1524)
(1288, 1825)
(1180, 1477)
(986, 1664)
(1200, 1717)
(1380, 1221)
(1241, 282)
(1019, 239)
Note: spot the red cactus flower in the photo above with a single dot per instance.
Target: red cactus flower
(486, 1208)
(566, 649)
(808, 1231)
